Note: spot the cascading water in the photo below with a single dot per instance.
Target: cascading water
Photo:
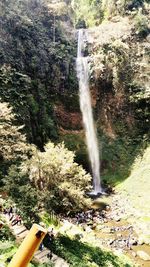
(86, 109)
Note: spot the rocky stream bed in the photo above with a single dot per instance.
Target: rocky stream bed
(114, 226)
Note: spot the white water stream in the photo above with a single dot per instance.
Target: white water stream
(86, 109)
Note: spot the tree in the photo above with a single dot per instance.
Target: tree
(13, 144)
(62, 183)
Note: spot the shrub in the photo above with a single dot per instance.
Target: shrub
(23, 194)
(141, 24)
(6, 234)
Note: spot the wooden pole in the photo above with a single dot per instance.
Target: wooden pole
(28, 247)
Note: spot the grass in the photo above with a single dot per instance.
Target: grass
(7, 250)
(79, 254)
(137, 186)
(136, 189)
(50, 219)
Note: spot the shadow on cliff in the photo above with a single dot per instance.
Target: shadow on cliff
(118, 157)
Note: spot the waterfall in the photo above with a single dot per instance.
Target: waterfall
(86, 109)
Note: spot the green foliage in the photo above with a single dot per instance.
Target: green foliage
(7, 250)
(49, 264)
(6, 235)
(134, 4)
(49, 179)
(79, 254)
(37, 58)
(139, 97)
(141, 24)
(50, 219)
(114, 59)
(23, 194)
(62, 182)
(112, 8)
(122, 77)
(93, 12)
(75, 142)
(71, 101)
(109, 8)
(13, 144)
(32, 110)
(87, 13)
(119, 154)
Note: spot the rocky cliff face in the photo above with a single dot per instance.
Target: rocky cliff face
(120, 70)
(119, 59)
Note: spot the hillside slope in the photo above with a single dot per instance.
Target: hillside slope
(133, 198)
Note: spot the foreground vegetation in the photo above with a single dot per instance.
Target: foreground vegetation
(8, 249)
(81, 254)
(69, 247)
(136, 189)
(38, 174)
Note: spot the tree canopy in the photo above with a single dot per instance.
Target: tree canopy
(61, 181)
(12, 142)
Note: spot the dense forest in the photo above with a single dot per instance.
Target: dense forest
(44, 164)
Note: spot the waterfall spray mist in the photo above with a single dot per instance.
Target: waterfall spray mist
(86, 109)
